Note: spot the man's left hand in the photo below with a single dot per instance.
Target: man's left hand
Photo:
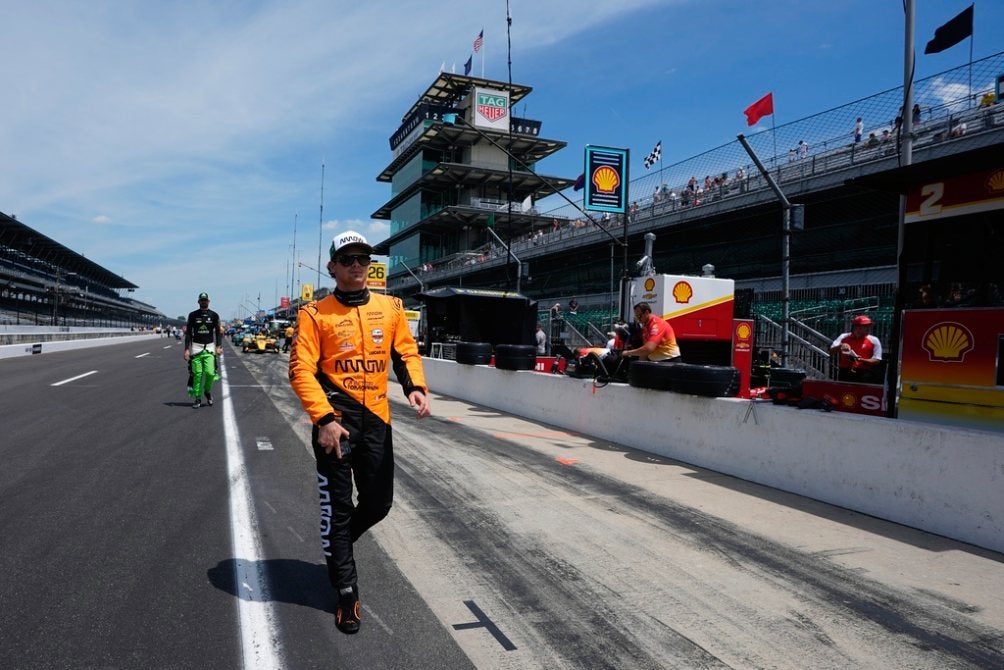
(420, 402)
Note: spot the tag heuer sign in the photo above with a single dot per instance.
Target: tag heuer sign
(491, 109)
(493, 106)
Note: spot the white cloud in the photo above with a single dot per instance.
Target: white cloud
(188, 135)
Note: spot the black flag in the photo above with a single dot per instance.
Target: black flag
(953, 32)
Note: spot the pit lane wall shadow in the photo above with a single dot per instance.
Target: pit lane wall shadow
(943, 480)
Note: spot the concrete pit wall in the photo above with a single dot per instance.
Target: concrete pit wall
(938, 479)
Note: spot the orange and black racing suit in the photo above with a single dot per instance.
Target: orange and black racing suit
(338, 366)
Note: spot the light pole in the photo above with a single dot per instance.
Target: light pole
(55, 303)
(787, 209)
(421, 284)
(519, 263)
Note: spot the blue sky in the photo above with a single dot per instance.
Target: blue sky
(174, 143)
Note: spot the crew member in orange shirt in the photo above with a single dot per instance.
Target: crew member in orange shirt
(659, 339)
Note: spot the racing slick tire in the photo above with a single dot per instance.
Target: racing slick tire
(711, 381)
(650, 375)
(474, 353)
(515, 357)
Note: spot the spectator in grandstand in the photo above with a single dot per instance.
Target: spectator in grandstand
(803, 149)
(915, 114)
(659, 339)
(741, 179)
(859, 129)
(958, 128)
(792, 153)
(873, 141)
(860, 352)
(988, 99)
(573, 307)
(556, 310)
(541, 339)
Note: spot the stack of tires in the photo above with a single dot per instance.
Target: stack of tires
(711, 381)
(474, 353)
(507, 356)
(515, 356)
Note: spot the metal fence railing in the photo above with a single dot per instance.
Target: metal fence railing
(824, 142)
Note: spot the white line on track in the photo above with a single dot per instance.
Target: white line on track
(73, 379)
(259, 637)
(142, 355)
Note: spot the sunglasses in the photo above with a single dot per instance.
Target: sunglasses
(348, 259)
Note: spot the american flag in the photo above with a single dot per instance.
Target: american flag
(655, 156)
(479, 40)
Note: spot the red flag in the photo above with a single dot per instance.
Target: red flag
(759, 109)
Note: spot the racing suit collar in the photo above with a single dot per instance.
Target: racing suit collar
(352, 298)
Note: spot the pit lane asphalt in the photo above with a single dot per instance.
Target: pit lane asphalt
(116, 536)
(511, 544)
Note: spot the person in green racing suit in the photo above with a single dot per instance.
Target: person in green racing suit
(203, 343)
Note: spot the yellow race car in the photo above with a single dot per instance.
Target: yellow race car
(260, 343)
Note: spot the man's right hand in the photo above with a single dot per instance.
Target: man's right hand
(330, 436)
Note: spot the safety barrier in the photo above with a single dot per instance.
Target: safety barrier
(938, 479)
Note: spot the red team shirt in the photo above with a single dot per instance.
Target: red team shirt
(659, 331)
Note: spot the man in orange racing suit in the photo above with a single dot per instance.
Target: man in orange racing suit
(338, 366)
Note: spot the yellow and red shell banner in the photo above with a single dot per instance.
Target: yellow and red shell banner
(952, 346)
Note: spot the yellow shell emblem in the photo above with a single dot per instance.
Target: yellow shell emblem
(683, 292)
(649, 284)
(743, 332)
(849, 399)
(995, 182)
(606, 179)
(949, 342)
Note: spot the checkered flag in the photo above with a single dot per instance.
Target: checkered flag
(655, 156)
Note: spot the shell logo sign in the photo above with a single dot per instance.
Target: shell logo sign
(683, 292)
(649, 284)
(606, 179)
(743, 339)
(948, 342)
(995, 182)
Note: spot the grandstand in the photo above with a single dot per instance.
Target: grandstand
(843, 262)
(43, 283)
